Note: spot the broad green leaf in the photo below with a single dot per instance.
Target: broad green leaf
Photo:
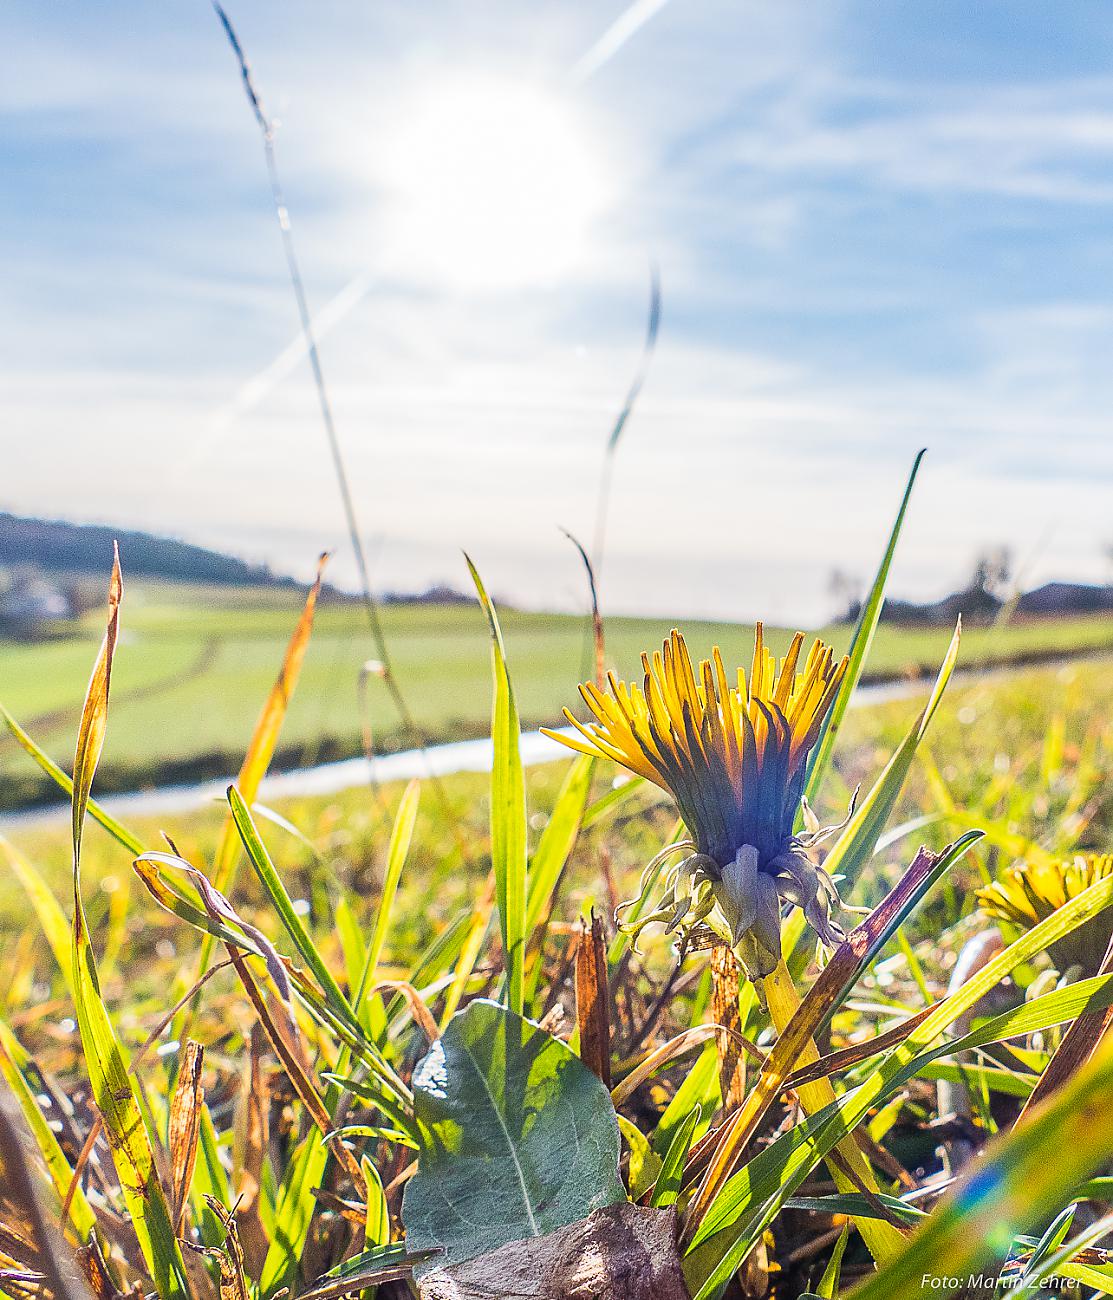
(820, 761)
(508, 811)
(518, 1137)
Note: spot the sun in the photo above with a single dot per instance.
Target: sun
(491, 184)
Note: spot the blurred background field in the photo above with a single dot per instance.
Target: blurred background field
(1024, 755)
(196, 660)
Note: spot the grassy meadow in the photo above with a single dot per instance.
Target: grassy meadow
(195, 661)
(274, 1096)
(1024, 755)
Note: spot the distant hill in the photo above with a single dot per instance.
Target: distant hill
(1067, 598)
(55, 546)
(977, 605)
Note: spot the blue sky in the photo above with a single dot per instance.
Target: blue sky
(879, 226)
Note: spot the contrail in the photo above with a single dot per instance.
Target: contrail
(626, 25)
(600, 53)
(259, 386)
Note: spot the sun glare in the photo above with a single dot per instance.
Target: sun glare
(494, 184)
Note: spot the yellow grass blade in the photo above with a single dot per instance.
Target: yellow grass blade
(128, 1139)
(264, 738)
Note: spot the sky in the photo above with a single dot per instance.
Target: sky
(879, 227)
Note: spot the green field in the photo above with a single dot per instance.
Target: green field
(195, 664)
(1025, 755)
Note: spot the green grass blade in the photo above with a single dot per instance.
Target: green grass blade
(508, 811)
(400, 838)
(293, 1215)
(756, 1193)
(558, 839)
(48, 911)
(667, 1187)
(823, 753)
(116, 829)
(1023, 1177)
(856, 844)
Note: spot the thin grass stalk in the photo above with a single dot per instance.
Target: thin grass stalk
(293, 266)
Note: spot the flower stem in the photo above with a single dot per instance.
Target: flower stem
(883, 1240)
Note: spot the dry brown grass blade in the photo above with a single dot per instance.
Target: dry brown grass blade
(1077, 1046)
(282, 1034)
(593, 1011)
(725, 987)
(264, 738)
(843, 1059)
(94, 1268)
(185, 1128)
(251, 1135)
(423, 1017)
(683, 1042)
(229, 1258)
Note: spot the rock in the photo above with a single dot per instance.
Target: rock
(622, 1252)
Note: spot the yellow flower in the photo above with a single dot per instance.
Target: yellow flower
(1028, 894)
(734, 758)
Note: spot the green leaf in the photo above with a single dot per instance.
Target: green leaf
(857, 1206)
(829, 1282)
(760, 1188)
(820, 761)
(124, 1124)
(48, 911)
(699, 1089)
(558, 839)
(508, 811)
(518, 1137)
(119, 832)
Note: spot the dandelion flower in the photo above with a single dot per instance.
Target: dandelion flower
(734, 758)
(1027, 894)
